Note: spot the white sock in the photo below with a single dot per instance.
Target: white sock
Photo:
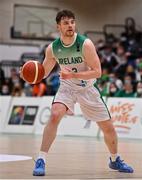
(114, 156)
(42, 155)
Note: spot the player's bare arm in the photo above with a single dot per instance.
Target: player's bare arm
(91, 59)
(49, 61)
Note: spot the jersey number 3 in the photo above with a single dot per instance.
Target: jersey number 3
(74, 69)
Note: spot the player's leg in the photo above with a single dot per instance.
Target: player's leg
(110, 135)
(57, 112)
(95, 109)
(110, 138)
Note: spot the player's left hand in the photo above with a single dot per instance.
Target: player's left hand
(66, 73)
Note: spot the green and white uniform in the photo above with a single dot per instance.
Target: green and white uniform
(71, 57)
(78, 90)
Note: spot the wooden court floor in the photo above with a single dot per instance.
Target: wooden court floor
(69, 158)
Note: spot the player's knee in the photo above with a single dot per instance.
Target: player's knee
(55, 117)
(110, 130)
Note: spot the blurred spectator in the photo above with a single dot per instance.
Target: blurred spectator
(100, 44)
(17, 90)
(138, 70)
(121, 54)
(27, 89)
(53, 81)
(113, 90)
(109, 58)
(102, 87)
(139, 89)
(130, 29)
(105, 75)
(5, 90)
(127, 79)
(127, 91)
(115, 80)
(2, 78)
(113, 84)
(110, 38)
(39, 89)
(14, 79)
(130, 71)
(121, 71)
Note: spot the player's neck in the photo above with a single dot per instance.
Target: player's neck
(67, 41)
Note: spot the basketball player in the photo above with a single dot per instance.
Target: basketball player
(80, 66)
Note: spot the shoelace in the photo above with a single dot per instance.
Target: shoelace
(121, 162)
(39, 163)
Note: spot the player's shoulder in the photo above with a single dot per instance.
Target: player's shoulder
(49, 47)
(88, 42)
(81, 37)
(84, 38)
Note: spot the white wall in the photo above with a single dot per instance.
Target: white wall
(91, 14)
(8, 52)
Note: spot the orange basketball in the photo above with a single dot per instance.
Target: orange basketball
(33, 72)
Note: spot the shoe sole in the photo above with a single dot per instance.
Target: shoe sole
(125, 171)
(121, 170)
(38, 174)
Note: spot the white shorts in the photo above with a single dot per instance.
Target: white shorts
(91, 103)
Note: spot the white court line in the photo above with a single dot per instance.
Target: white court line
(8, 158)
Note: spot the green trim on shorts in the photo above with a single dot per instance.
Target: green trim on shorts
(55, 94)
(53, 99)
(95, 85)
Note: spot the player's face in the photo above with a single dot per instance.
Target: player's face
(67, 27)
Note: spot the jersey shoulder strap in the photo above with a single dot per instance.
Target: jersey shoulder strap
(80, 41)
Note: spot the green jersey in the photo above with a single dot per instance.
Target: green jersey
(71, 57)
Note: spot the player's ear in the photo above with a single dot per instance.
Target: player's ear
(58, 27)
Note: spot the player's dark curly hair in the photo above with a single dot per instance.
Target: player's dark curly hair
(64, 13)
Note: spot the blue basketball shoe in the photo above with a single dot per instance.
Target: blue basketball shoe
(119, 165)
(39, 169)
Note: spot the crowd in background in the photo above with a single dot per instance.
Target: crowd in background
(121, 60)
(15, 86)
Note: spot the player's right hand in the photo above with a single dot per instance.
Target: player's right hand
(66, 73)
